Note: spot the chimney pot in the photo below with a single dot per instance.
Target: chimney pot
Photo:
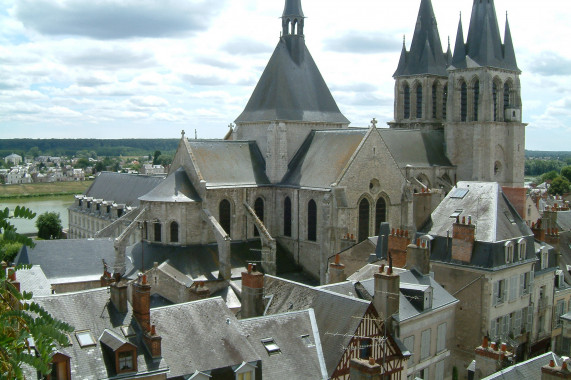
(371, 361)
(552, 363)
(485, 342)
(469, 219)
(382, 268)
(392, 231)
(352, 237)
(494, 346)
(406, 233)
(153, 330)
(418, 242)
(337, 259)
(504, 347)
(144, 279)
(463, 220)
(249, 268)
(564, 365)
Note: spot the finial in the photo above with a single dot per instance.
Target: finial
(374, 123)
(182, 133)
(448, 42)
(403, 40)
(195, 135)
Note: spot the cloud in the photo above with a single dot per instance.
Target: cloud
(363, 43)
(109, 57)
(550, 63)
(222, 64)
(149, 101)
(204, 80)
(245, 46)
(112, 19)
(354, 87)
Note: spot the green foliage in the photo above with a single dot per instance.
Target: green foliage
(566, 172)
(454, 373)
(156, 156)
(9, 249)
(82, 163)
(549, 176)
(49, 226)
(99, 167)
(559, 186)
(165, 160)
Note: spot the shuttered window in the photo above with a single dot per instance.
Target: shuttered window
(425, 344)
(441, 339)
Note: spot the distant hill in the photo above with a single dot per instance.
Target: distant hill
(102, 147)
(547, 154)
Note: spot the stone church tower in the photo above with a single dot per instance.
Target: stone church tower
(485, 137)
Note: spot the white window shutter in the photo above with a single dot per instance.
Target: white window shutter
(495, 293)
(521, 284)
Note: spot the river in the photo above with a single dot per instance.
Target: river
(39, 205)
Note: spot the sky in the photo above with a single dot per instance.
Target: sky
(151, 68)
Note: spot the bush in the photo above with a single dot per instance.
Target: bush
(559, 186)
(566, 172)
(49, 226)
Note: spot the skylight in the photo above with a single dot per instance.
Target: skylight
(306, 339)
(456, 214)
(127, 331)
(459, 193)
(85, 338)
(271, 346)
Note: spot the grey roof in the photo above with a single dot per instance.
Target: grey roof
(175, 188)
(292, 8)
(334, 332)
(425, 55)
(229, 163)
(334, 147)
(291, 88)
(122, 188)
(416, 148)
(494, 216)
(287, 331)
(564, 220)
(34, 280)
(91, 310)
(529, 369)
(205, 328)
(73, 260)
(484, 45)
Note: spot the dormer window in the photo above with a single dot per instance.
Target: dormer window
(544, 258)
(521, 245)
(123, 352)
(245, 371)
(509, 251)
(61, 368)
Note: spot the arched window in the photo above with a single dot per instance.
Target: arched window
(364, 211)
(380, 214)
(476, 98)
(507, 90)
(259, 210)
(463, 101)
(174, 232)
(287, 216)
(419, 101)
(225, 215)
(434, 100)
(157, 231)
(406, 101)
(444, 101)
(312, 221)
(495, 100)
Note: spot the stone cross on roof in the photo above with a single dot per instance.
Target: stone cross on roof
(374, 122)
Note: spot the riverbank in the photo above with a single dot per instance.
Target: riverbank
(35, 190)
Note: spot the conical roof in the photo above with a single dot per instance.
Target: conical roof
(426, 55)
(459, 58)
(175, 188)
(291, 88)
(509, 51)
(293, 9)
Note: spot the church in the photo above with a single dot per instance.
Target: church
(292, 174)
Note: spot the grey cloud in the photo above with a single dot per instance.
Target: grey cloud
(354, 87)
(245, 46)
(112, 19)
(208, 80)
(367, 99)
(109, 58)
(215, 62)
(91, 81)
(550, 63)
(363, 43)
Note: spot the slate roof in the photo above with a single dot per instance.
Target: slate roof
(34, 280)
(564, 220)
(529, 369)
(295, 356)
(334, 147)
(291, 88)
(425, 55)
(122, 188)
(229, 163)
(201, 336)
(289, 296)
(416, 148)
(91, 310)
(292, 8)
(73, 260)
(495, 218)
(175, 188)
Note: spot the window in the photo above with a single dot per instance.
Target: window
(312, 221)
(128, 331)
(476, 98)
(271, 346)
(517, 323)
(513, 287)
(507, 90)
(434, 100)
(380, 214)
(409, 343)
(495, 100)
(174, 232)
(84, 338)
(245, 375)
(444, 101)
(306, 339)
(287, 216)
(521, 249)
(499, 292)
(544, 258)
(558, 312)
(60, 367)
(509, 251)
(439, 370)
(425, 344)
(419, 101)
(157, 231)
(225, 215)
(125, 360)
(524, 283)
(406, 102)
(259, 210)
(463, 101)
(363, 220)
(441, 339)
(365, 348)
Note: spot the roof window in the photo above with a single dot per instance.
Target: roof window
(85, 338)
(459, 193)
(306, 339)
(456, 214)
(271, 346)
(127, 331)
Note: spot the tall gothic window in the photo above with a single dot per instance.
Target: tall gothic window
(259, 210)
(444, 101)
(174, 232)
(495, 100)
(463, 101)
(380, 214)
(434, 100)
(476, 98)
(157, 231)
(225, 215)
(419, 101)
(406, 101)
(506, 96)
(363, 220)
(312, 221)
(287, 216)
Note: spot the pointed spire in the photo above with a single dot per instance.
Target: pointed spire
(401, 68)
(509, 51)
(293, 9)
(292, 18)
(459, 58)
(484, 40)
(448, 53)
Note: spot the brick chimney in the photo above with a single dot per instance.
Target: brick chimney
(361, 369)
(153, 342)
(418, 257)
(463, 237)
(12, 278)
(118, 290)
(200, 290)
(554, 372)
(538, 231)
(517, 197)
(398, 241)
(387, 292)
(490, 358)
(336, 271)
(252, 293)
(142, 302)
(106, 279)
(552, 237)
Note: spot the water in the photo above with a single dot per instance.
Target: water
(58, 204)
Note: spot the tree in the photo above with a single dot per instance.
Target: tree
(82, 163)
(559, 186)
(99, 167)
(49, 226)
(21, 319)
(549, 176)
(566, 172)
(156, 157)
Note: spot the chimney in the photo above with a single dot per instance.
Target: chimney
(153, 342)
(397, 247)
(118, 290)
(554, 372)
(336, 271)
(463, 237)
(12, 278)
(387, 292)
(490, 359)
(106, 278)
(361, 369)
(418, 257)
(142, 302)
(252, 293)
(201, 290)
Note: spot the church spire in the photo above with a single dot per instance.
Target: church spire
(403, 59)
(459, 58)
(292, 18)
(509, 51)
